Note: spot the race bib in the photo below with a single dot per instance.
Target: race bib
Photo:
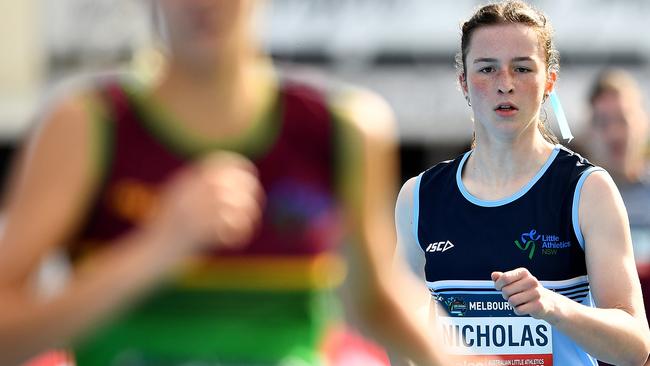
(481, 329)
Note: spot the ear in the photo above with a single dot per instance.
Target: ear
(551, 78)
(462, 81)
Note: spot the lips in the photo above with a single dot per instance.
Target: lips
(506, 107)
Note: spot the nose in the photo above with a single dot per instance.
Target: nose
(505, 83)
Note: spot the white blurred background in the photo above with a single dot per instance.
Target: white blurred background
(402, 49)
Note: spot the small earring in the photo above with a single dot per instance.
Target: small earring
(544, 98)
(468, 101)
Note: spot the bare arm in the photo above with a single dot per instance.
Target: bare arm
(616, 331)
(369, 191)
(408, 251)
(404, 222)
(414, 295)
(51, 193)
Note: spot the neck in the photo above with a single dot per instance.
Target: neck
(219, 102)
(214, 76)
(220, 86)
(496, 162)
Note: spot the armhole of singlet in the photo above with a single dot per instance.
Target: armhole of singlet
(576, 204)
(416, 209)
(101, 117)
(347, 157)
(102, 135)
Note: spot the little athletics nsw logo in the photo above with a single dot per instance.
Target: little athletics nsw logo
(548, 244)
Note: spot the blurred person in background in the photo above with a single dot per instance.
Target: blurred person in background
(617, 139)
(524, 243)
(203, 213)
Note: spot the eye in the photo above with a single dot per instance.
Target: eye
(485, 70)
(523, 69)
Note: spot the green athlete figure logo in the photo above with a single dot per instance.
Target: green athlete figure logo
(528, 243)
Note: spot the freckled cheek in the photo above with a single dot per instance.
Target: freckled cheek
(479, 87)
(531, 86)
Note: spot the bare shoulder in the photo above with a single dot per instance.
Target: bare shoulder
(54, 175)
(70, 109)
(364, 111)
(404, 206)
(599, 192)
(64, 132)
(407, 192)
(602, 215)
(599, 182)
(367, 151)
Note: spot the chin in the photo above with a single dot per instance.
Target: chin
(510, 127)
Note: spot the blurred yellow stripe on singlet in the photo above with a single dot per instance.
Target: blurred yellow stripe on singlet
(322, 271)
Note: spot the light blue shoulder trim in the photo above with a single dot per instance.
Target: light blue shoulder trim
(576, 204)
(416, 208)
(504, 201)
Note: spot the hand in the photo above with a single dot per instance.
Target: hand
(217, 201)
(525, 294)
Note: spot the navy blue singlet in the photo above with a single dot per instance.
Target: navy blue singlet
(464, 239)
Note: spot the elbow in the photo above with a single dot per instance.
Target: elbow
(645, 351)
(636, 351)
(639, 358)
(639, 361)
(645, 359)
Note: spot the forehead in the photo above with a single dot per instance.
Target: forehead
(610, 102)
(505, 41)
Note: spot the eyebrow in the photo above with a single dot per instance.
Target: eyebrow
(516, 59)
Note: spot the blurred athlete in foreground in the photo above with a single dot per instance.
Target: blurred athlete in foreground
(135, 183)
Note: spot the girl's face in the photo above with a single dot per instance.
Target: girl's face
(506, 79)
(202, 30)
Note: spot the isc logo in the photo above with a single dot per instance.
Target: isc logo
(440, 246)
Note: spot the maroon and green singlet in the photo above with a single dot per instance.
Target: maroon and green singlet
(265, 304)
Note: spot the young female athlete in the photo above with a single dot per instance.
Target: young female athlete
(133, 182)
(524, 243)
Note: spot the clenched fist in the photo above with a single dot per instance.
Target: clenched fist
(217, 201)
(525, 293)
